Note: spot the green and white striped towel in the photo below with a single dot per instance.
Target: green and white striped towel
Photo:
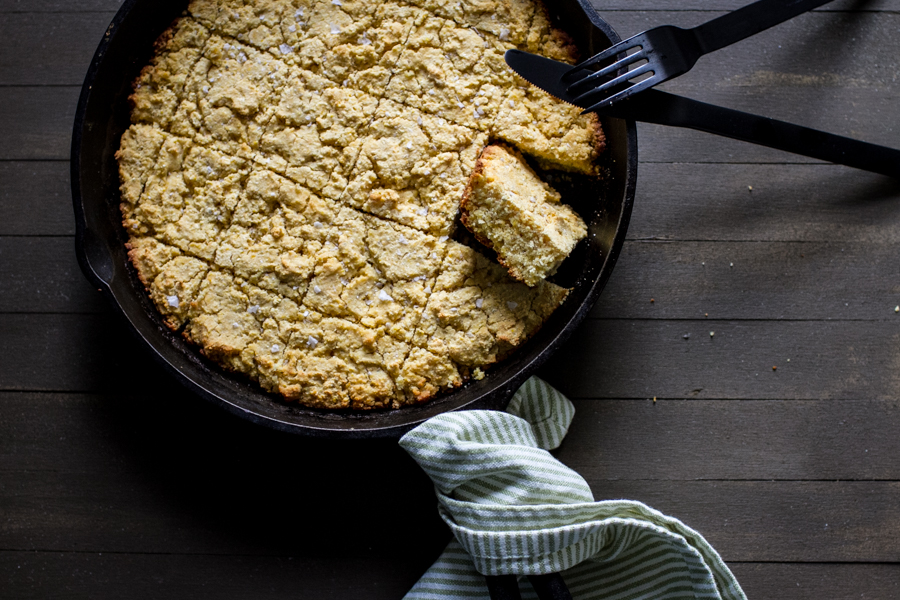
(514, 509)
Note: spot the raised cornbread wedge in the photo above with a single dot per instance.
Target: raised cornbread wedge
(509, 208)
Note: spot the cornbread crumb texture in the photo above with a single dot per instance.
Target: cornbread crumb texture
(293, 172)
(509, 208)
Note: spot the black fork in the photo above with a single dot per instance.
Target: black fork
(667, 52)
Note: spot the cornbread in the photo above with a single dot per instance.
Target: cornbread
(292, 177)
(509, 208)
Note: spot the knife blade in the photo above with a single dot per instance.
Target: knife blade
(663, 108)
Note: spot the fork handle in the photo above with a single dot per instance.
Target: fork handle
(749, 20)
(653, 106)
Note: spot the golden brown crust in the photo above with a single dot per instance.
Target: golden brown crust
(294, 170)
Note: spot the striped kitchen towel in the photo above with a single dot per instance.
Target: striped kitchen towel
(514, 509)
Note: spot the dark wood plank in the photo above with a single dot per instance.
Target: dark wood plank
(753, 280)
(162, 577)
(834, 360)
(55, 48)
(54, 576)
(705, 439)
(35, 198)
(190, 508)
(71, 352)
(41, 274)
(843, 360)
(609, 439)
(816, 581)
(36, 122)
(809, 203)
(53, 6)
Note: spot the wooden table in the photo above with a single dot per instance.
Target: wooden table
(115, 483)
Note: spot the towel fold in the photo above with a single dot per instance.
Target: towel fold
(514, 509)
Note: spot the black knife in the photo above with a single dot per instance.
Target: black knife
(654, 106)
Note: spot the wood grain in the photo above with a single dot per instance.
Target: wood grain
(833, 360)
(189, 508)
(609, 439)
(41, 274)
(57, 47)
(37, 122)
(163, 577)
(35, 198)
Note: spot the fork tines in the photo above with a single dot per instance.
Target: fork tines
(600, 83)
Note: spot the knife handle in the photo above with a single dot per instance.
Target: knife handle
(654, 106)
(749, 20)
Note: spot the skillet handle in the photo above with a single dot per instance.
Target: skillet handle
(547, 587)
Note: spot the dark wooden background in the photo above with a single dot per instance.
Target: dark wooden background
(114, 483)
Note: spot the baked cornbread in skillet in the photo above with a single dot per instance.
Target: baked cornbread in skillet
(292, 178)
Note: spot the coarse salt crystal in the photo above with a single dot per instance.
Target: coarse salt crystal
(275, 348)
(173, 301)
(479, 302)
(298, 14)
(428, 289)
(337, 2)
(419, 120)
(253, 309)
(334, 28)
(305, 314)
(512, 305)
(364, 39)
(235, 325)
(318, 225)
(443, 238)
(312, 342)
(285, 49)
(504, 34)
(409, 145)
(317, 289)
(382, 295)
(292, 28)
(344, 281)
(403, 239)
(422, 212)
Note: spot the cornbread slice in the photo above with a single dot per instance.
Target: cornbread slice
(509, 208)
(553, 132)
(411, 168)
(477, 315)
(314, 137)
(456, 73)
(354, 43)
(159, 88)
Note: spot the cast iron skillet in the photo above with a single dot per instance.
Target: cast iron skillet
(102, 117)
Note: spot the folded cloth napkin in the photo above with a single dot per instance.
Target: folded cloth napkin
(514, 509)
